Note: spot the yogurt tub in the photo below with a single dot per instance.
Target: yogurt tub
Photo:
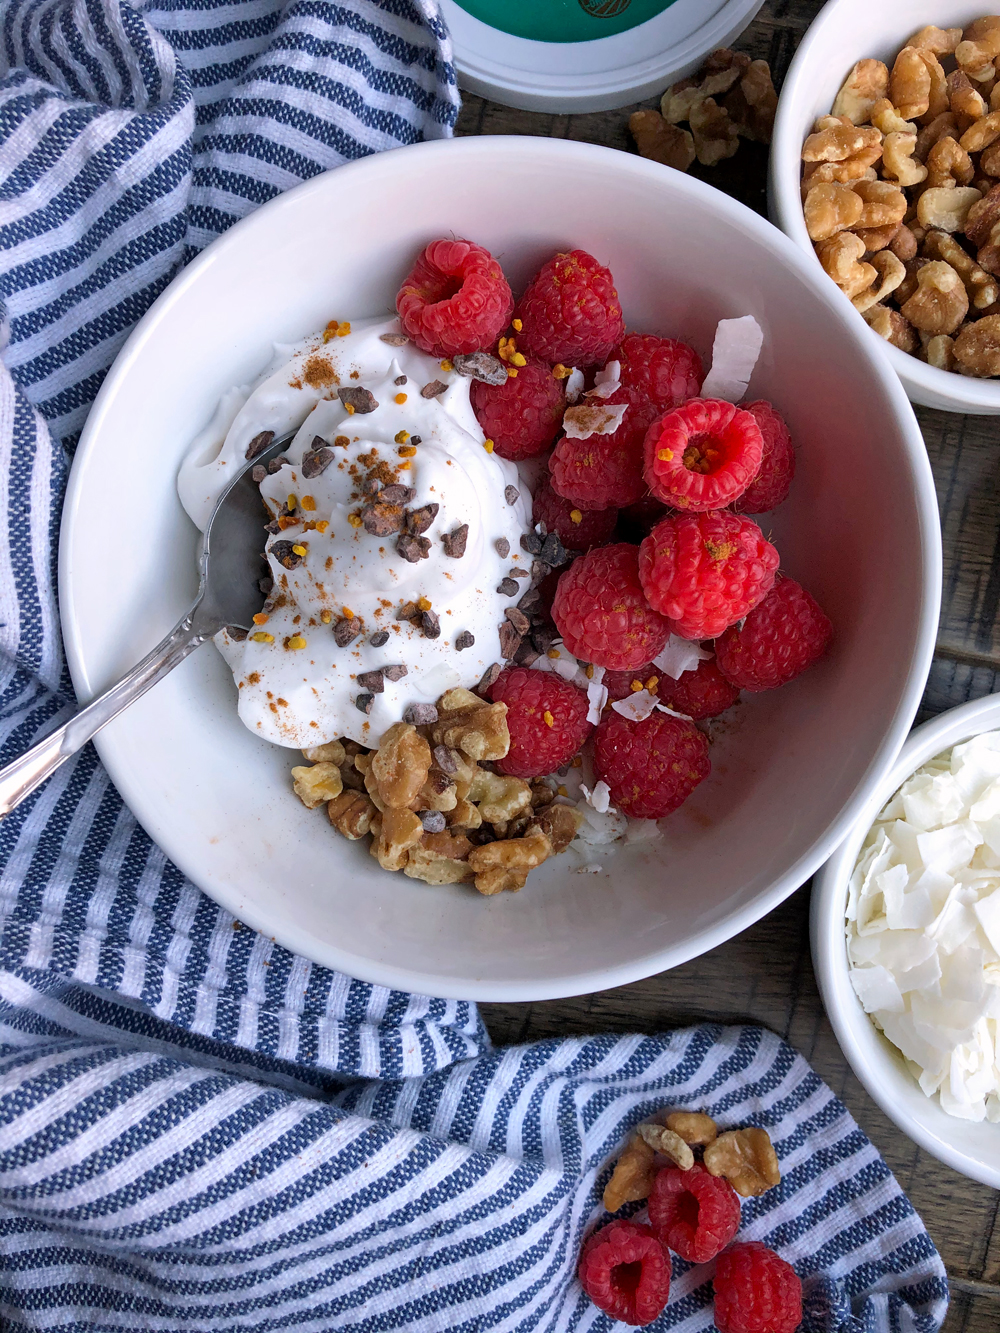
(939, 926)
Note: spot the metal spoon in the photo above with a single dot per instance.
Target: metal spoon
(229, 567)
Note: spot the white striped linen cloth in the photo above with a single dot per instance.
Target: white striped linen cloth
(199, 1130)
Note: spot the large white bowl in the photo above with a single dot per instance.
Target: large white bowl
(973, 1149)
(844, 32)
(790, 774)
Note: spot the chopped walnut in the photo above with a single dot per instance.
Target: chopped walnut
(891, 273)
(677, 101)
(946, 208)
(941, 127)
(695, 1127)
(982, 217)
(898, 162)
(887, 119)
(332, 752)
(842, 144)
(660, 141)
(840, 256)
(440, 858)
(831, 208)
(633, 1176)
(890, 325)
(940, 302)
(317, 784)
(504, 865)
(979, 47)
(904, 244)
(964, 100)
(948, 164)
(746, 1158)
(878, 238)
(939, 351)
(864, 86)
(401, 830)
(982, 287)
(499, 797)
(910, 84)
(982, 133)
(468, 724)
(561, 823)
(882, 203)
(669, 1143)
(400, 765)
(715, 135)
(753, 104)
(352, 814)
(977, 347)
(942, 41)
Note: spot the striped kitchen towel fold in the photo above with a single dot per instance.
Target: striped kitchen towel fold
(199, 1130)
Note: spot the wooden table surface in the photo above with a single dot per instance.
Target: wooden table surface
(765, 975)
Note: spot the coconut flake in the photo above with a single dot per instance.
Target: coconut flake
(600, 828)
(574, 385)
(606, 381)
(636, 707)
(597, 695)
(680, 655)
(599, 798)
(642, 830)
(734, 355)
(588, 419)
(589, 868)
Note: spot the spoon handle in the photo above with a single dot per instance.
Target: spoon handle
(21, 777)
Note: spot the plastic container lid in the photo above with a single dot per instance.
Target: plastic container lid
(585, 55)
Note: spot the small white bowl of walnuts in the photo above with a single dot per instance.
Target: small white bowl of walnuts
(885, 164)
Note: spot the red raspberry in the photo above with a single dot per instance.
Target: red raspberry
(782, 636)
(701, 693)
(571, 312)
(523, 416)
(546, 717)
(694, 1213)
(600, 472)
(651, 767)
(601, 613)
(756, 1291)
(661, 371)
(702, 455)
(626, 1272)
(706, 571)
(777, 464)
(454, 299)
(620, 684)
(578, 529)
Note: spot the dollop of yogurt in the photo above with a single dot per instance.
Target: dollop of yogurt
(334, 567)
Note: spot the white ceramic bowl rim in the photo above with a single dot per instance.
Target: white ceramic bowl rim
(797, 91)
(829, 944)
(413, 978)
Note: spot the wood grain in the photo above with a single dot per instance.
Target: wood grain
(765, 975)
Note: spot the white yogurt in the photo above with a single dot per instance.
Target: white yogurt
(923, 926)
(302, 696)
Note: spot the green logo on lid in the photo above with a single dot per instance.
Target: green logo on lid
(564, 20)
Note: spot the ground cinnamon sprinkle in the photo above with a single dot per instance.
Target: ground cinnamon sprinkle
(318, 372)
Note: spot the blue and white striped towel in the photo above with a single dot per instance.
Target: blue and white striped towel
(198, 1130)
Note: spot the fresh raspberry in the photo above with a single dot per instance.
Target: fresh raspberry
(706, 571)
(777, 464)
(756, 1291)
(695, 1214)
(578, 529)
(701, 693)
(454, 299)
(546, 717)
(523, 416)
(662, 371)
(626, 1272)
(782, 636)
(600, 472)
(620, 684)
(702, 455)
(571, 312)
(651, 767)
(601, 613)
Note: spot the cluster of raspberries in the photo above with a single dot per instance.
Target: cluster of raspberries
(655, 511)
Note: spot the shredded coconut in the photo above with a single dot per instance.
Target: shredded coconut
(642, 830)
(636, 707)
(574, 386)
(599, 798)
(923, 926)
(680, 655)
(606, 381)
(588, 419)
(597, 695)
(734, 355)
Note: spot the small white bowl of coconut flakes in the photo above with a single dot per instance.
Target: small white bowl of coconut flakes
(906, 940)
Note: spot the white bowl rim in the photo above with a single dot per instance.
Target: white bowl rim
(785, 175)
(827, 916)
(411, 978)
